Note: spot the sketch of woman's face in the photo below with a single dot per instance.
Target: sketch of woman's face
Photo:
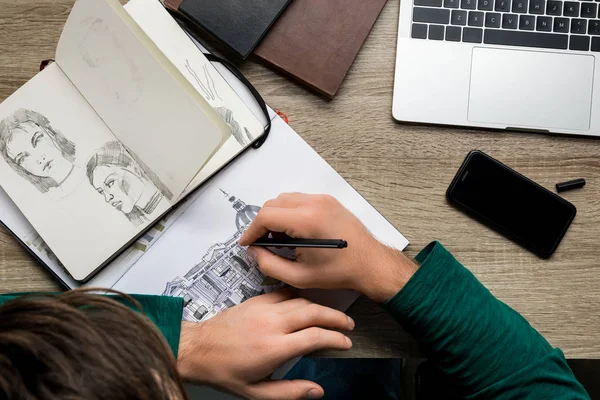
(120, 187)
(36, 152)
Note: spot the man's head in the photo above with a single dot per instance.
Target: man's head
(82, 346)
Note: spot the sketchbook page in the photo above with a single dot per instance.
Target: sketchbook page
(147, 103)
(81, 190)
(183, 53)
(207, 267)
(12, 218)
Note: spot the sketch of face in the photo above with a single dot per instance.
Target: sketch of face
(120, 187)
(35, 151)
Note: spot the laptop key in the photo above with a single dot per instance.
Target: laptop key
(419, 31)
(472, 35)
(596, 44)
(581, 43)
(554, 7)
(475, 18)
(453, 34)
(571, 9)
(431, 15)
(468, 4)
(519, 6)
(594, 27)
(428, 3)
(451, 3)
(459, 17)
(436, 32)
(492, 20)
(526, 39)
(527, 22)
(544, 24)
(485, 5)
(502, 5)
(589, 10)
(510, 21)
(537, 7)
(578, 25)
(561, 25)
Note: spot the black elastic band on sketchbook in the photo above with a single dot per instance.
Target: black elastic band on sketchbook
(233, 69)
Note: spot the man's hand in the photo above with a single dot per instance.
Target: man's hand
(366, 265)
(240, 348)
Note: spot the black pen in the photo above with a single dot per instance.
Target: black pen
(301, 243)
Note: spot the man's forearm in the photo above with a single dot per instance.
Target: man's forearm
(487, 348)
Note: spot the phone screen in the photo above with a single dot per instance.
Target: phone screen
(511, 203)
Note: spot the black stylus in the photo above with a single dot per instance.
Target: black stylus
(301, 243)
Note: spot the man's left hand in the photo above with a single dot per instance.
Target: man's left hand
(239, 349)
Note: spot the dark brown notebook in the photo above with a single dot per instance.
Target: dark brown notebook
(317, 41)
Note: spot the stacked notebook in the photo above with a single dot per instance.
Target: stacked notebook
(316, 41)
(313, 41)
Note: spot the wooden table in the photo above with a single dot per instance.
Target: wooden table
(403, 170)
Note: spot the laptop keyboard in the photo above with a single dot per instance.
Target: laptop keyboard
(548, 24)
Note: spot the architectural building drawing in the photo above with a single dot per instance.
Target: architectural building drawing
(225, 276)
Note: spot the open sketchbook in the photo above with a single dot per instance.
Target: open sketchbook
(100, 145)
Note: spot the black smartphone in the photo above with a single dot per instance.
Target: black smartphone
(510, 203)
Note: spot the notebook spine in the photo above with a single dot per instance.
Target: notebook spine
(172, 4)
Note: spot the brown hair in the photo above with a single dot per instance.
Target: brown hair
(79, 345)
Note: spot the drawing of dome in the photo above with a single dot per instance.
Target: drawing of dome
(245, 213)
(224, 276)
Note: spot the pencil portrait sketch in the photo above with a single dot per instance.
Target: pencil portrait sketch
(125, 182)
(225, 275)
(35, 150)
(210, 93)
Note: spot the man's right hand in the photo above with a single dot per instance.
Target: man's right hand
(367, 265)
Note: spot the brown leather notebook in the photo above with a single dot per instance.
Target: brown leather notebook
(317, 41)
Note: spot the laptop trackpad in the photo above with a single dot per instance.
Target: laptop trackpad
(531, 89)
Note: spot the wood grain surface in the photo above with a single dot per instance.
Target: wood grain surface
(403, 170)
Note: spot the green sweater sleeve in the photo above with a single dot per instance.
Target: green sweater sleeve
(485, 347)
(165, 312)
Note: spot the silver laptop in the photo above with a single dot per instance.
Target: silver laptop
(504, 64)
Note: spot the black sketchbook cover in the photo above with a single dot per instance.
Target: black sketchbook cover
(238, 24)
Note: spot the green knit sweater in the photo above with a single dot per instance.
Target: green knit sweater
(486, 348)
